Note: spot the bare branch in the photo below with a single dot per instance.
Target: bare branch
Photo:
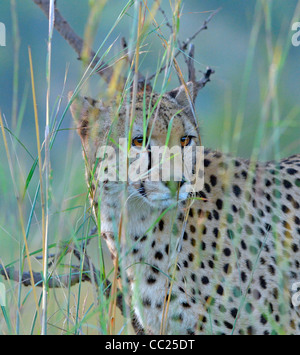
(166, 18)
(190, 64)
(73, 39)
(54, 282)
(77, 43)
(57, 281)
(185, 44)
(202, 28)
(85, 271)
(205, 79)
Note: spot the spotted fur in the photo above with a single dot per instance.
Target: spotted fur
(221, 261)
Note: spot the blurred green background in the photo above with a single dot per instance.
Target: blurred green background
(224, 46)
(256, 81)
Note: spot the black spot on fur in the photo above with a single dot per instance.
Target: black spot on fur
(161, 225)
(158, 255)
(237, 190)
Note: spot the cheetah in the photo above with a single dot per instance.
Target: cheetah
(222, 260)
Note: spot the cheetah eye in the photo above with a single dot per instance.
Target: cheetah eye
(137, 142)
(184, 141)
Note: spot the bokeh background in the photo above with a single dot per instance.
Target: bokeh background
(248, 44)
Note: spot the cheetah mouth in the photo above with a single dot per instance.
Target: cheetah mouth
(165, 200)
(157, 197)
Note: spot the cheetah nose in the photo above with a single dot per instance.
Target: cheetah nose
(173, 186)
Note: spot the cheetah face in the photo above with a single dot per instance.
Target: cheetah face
(163, 149)
(163, 135)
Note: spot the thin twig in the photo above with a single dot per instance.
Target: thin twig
(53, 282)
(205, 79)
(190, 64)
(200, 29)
(77, 43)
(85, 273)
(166, 18)
(59, 281)
(185, 44)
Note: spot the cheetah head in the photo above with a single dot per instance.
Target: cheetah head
(157, 122)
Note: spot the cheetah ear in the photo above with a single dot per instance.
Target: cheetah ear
(181, 96)
(84, 111)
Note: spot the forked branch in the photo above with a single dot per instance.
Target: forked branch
(205, 79)
(183, 47)
(84, 271)
(77, 43)
(203, 27)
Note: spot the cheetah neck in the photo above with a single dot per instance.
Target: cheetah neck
(141, 217)
(229, 222)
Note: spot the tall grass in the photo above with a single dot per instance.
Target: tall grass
(48, 215)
